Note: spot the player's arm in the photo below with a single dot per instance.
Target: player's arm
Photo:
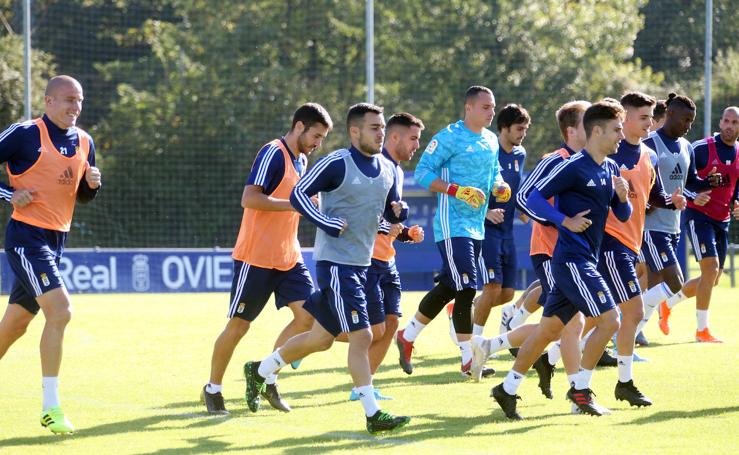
(695, 184)
(325, 176)
(658, 197)
(265, 176)
(9, 144)
(620, 204)
(91, 182)
(396, 211)
(542, 169)
(429, 167)
(559, 180)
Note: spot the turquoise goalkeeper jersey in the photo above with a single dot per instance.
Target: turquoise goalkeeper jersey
(457, 155)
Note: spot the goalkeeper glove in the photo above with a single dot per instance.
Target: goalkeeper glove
(502, 192)
(470, 195)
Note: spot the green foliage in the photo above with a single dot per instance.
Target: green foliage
(12, 81)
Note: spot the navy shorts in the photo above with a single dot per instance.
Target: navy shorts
(578, 287)
(498, 260)
(660, 249)
(543, 268)
(710, 238)
(33, 254)
(383, 291)
(459, 256)
(341, 304)
(252, 287)
(617, 264)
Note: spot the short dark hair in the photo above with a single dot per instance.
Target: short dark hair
(404, 119)
(600, 113)
(356, 113)
(660, 109)
(673, 99)
(637, 100)
(512, 114)
(475, 90)
(570, 115)
(310, 114)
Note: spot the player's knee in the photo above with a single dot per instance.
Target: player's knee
(59, 316)
(304, 321)
(576, 325)
(710, 270)
(391, 324)
(237, 327)
(675, 283)
(17, 328)
(609, 322)
(378, 331)
(506, 295)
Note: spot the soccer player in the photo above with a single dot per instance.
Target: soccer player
(662, 226)
(498, 266)
(660, 114)
(709, 224)
(622, 240)
(267, 256)
(587, 187)
(402, 136)
(357, 186)
(50, 164)
(461, 165)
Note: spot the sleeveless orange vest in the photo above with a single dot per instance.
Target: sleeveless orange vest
(270, 239)
(544, 238)
(55, 179)
(641, 178)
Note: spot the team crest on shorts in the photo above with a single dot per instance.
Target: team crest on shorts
(465, 278)
(601, 296)
(240, 309)
(355, 317)
(44, 279)
(663, 255)
(632, 286)
(491, 274)
(703, 248)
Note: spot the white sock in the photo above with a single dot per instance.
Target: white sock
(583, 379)
(652, 298)
(213, 388)
(413, 329)
(270, 364)
(701, 317)
(367, 397)
(572, 379)
(624, 367)
(584, 339)
(512, 382)
(271, 379)
(500, 342)
(554, 353)
(465, 347)
(477, 329)
(675, 299)
(520, 317)
(51, 391)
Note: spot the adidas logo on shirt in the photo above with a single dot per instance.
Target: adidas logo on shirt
(591, 183)
(356, 181)
(66, 177)
(623, 167)
(470, 148)
(677, 173)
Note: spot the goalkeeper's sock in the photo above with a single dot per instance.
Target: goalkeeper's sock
(51, 391)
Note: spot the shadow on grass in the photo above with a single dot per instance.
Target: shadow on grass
(670, 415)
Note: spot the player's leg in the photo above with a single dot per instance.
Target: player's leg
(483, 347)
(664, 275)
(390, 301)
(543, 269)
(18, 314)
(641, 274)
(507, 313)
(490, 270)
(713, 246)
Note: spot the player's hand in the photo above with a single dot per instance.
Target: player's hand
(736, 209)
(470, 195)
(621, 187)
(315, 201)
(22, 198)
(715, 179)
(702, 199)
(678, 200)
(92, 176)
(502, 192)
(415, 232)
(344, 225)
(397, 208)
(524, 218)
(495, 216)
(395, 230)
(577, 223)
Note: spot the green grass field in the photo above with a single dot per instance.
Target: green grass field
(134, 366)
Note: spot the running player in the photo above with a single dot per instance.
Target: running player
(587, 186)
(461, 165)
(662, 226)
(498, 266)
(709, 224)
(622, 240)
(50, 165)
(402, 135)
(267, 257)
(357, 186)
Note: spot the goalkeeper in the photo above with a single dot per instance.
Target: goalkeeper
(461, 165)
